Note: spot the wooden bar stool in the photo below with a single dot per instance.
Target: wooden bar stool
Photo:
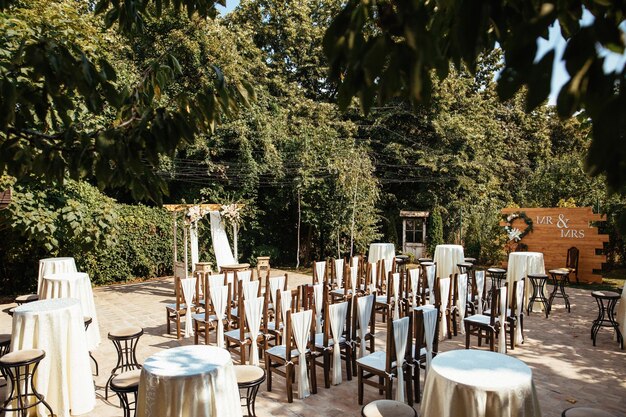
(125, 341)
(538, 281)
(124, 384)
(559, 278)
(606, 314)
(19, 367)
(387, 408)
(250, 378)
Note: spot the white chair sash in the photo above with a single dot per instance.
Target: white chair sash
(339, 271)
(395, 289)
(254, 311)
(430, 323)
(244, 275)
(354, 262)
(354, 275)
(431, 271)
(479, 276)
(444, 289)
(502, 336)
(318, 297)
(285, 306)
(373, 268)
(414, 275)
(461, 302)
(519, 300)
(388, 265)
(301, 327)
(400, 333)
(320, 267)
(216, 280)
(364, 306)
(189, 288)
(250, 289)
(276, 283)
(219, 298)
(337, 313)
(230, 279)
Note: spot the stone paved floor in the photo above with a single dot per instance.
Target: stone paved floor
(567, 369)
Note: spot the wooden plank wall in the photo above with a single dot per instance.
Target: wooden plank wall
(555, 230)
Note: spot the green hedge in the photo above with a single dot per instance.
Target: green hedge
(110, 241)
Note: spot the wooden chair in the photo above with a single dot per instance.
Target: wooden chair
(413, 286)
(204, 322)
(384, 299)
(425, 321)
(176, 310)
(429, 275)
(491, 324)
(478, 295)
(288, 355)
(363, 326)
(458, 307)
(515, 315)
(571, 264)
(336, 331)
(383, 366)
(337, 272)
(442, 299)
(239, 338)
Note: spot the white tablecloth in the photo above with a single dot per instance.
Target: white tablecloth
(74, 285)
(53, 266)
(520, 265)
(386, 251)
(64, 375)
(186, 381)
(447, 257)
(478, 383)
(621, 312)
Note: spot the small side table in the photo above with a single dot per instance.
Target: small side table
(606, 314)
(225, 269)
(250, 378)
(538, 282)
(559, 278)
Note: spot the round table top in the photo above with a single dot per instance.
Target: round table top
(449, 246)
(375, 245)
(185, 361)
(43, 306)
(606, 294)
(65, 276)
(484, 369)
(57, 259)
(524, 254)
(235, 266)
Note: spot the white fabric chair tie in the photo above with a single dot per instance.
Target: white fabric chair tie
(479, 276)
(430, 323)
(301, 327)
(354, 275)
(275, 284)
(320, 267)
(339, 271)
(502, 336)
(414, 277)
(219, 298)
(395, 289)
(400, 333)
(337, 315)
(444, 288)
(430, 279)
(318, 297)
(250, 289)
(461, 301)
(519, 300)
(189, 288)
(364, 306)
(285, 306)
(254, 311)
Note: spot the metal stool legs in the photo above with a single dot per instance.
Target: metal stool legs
(606, 315)
(126, 345)
(538, 284)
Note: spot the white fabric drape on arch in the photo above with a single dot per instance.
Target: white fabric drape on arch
(189, 288)
(444, 289)
(479, 276)
(301, 328)
(364, 308)
(461, 302)
(337, 313)
(400, 333)
(254, 311)
(285, 306)
(221, 246)
(219, 298)
(429, 313)
(502, 336)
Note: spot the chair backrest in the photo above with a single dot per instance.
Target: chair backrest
(359, 305)
(289, 341)
(498, 303)
(337, 272)
(390, 348)
(517, 297)
(330, 311)
(420, 331)
(572, 258)
(413, 286)
(429, 275)
(371, 275)
(319, 272)
(179, 275)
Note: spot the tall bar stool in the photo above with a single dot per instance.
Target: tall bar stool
(25, 299)
(388, 408)
(424, 260)
(5, 344)
(124, 384)
(470, 260)
(559, 278)
(606, 315)
(19, 367)
(585, 412)
(401, 263)
(125, 341)
(88, 320)
(467, 268)
(250, 378)
(538, 281)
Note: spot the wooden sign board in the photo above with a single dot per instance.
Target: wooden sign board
(555, 230)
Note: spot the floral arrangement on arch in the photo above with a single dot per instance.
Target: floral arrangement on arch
(231, 213)
(194, 214)
(514, 233)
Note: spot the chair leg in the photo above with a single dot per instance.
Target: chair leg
(492, 341)
(313, 375)
(348, 363)
(360, 385)
(326, 359)
(381, 382)
(167, 321)
(389, 387)
(268, 371)
(408, 385)
(178, 325)
(289, 370)
(416, 382)
(512, 335)
(195, 332)
(467, 336)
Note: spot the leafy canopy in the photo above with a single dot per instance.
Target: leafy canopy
(382, 49)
